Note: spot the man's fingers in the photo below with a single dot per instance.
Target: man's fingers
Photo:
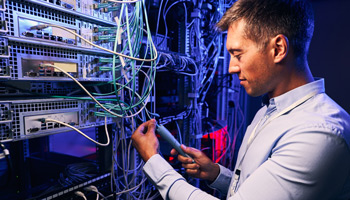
(192, 172)
(190, 166)
(173, 152)
(151, 126)
(146, 127)
(194, 153)
(184, 159)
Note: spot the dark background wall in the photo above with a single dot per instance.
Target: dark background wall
(329, 55)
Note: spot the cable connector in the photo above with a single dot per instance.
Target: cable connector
(45, 65)
(39, 27)
(42, 120)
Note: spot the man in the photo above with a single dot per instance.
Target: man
(297, 146)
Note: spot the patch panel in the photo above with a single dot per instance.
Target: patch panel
(34, 68)
(20, 117)
(50, 43)
(79, 6)
(20, 23)
(51, 34)
(26, 60)
(34, 124)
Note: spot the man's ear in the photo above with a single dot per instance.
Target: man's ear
(280, 44)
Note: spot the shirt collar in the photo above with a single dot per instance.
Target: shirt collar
(283, 101)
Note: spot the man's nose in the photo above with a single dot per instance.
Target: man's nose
(234, 69)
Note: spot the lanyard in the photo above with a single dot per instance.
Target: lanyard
(255, 133)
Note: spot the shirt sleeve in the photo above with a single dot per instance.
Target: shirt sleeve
(306, 165)
(171, 185)
(222, 182)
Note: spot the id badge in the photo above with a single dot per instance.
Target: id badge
(233, 187)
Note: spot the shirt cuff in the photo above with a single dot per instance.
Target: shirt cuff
(155, 167)
(222, 182)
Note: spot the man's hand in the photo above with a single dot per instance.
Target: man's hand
(145, 140)
(203, 167)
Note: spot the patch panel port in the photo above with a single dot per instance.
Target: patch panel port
(53, 37)
(46, 36)
(59, 38)
(32, 74)
(43, 126)
(28, 34)
(70, 41)
(68, 6)
(49, 125)
(33, 130)
(72, 123)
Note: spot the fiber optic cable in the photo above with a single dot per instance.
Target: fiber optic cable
(87, 92)
(99, 104)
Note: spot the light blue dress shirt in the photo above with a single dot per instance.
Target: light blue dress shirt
(302, 154)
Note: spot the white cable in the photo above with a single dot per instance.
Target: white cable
(87, 92)
(92, 97)
(80, 194)
(131, 189)
(43, 26)
(93, 188)
(77, 130)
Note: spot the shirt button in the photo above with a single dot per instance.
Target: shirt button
(232, 191)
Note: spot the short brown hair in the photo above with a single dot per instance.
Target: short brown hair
(265, 19)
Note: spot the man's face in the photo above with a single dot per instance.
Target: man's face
(253, 65)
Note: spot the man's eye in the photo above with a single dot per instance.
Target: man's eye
(238, 57)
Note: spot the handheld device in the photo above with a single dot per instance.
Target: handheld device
(166, 135)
